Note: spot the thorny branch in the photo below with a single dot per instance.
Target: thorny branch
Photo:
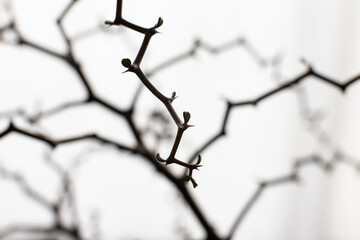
(127, 114)
(167, 101)
(70, 58)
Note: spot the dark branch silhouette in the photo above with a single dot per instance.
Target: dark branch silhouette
(58, 227)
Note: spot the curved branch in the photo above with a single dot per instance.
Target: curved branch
(54, 143)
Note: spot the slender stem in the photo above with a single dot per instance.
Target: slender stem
(249, 204)
(118, 15)
(166, 101)
(175, 145)
(61, 27)
(149, 33)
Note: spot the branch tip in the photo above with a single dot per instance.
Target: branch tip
(199, 160)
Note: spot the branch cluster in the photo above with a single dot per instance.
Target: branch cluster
(182, 123)
(64, 203)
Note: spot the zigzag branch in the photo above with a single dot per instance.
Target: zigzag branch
(232, 104)
(140, 149)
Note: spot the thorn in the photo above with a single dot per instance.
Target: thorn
(160, 159)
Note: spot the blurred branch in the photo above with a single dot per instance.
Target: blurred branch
(199, 44)
(58, 227)
(53, 143)
(231, 104)
(55, 110)
(67, 193)
(310, 72)
(293, 176)
(25, 229)
(27, 189)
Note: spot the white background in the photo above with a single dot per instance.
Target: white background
(123, 192)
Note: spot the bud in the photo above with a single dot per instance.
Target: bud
(186, 117)
(126, 62)
(187, 178)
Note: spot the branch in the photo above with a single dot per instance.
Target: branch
(59, 22)
(182, 126)
(57, 109)
(139, 149)
(292, 176)
(302, 77)
(27, 189)
(199, 44)
(56, 208)
(255, 101)
(25, 229)
(54, 143)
